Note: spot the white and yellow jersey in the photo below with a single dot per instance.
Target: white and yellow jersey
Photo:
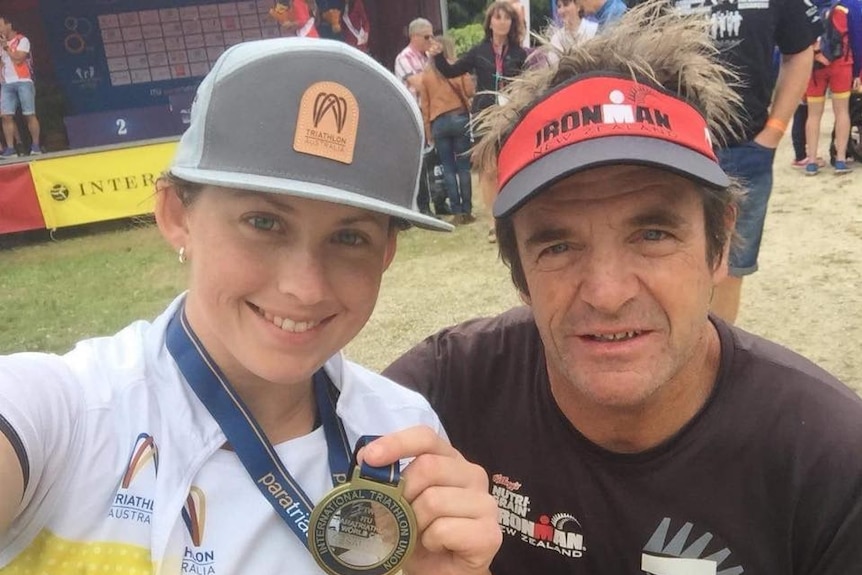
(126, 474)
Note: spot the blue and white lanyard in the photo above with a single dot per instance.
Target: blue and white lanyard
(248, 440)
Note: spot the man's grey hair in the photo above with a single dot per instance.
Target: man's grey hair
(419, 24)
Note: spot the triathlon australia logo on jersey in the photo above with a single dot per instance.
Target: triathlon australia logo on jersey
(197, 560)
(558, 532)
(129, 504)
(686, 551)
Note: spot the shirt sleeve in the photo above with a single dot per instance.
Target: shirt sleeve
(401, 70)
(40, 403)
(463, 65)
(24, 45)
(798, 26)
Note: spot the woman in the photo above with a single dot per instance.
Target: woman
(494, 61)
(575, 30)
(198, 443)
(446, 110)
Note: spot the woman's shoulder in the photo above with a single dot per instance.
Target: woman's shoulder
(109, 365)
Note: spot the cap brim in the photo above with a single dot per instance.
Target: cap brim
(310, 191)
(568, 160)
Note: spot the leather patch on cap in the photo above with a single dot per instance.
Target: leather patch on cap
(327, 123)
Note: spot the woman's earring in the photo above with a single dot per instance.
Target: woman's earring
(181, 255)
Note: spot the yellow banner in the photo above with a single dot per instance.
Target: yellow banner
(93, 187)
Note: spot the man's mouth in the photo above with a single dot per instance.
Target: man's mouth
(619, 336)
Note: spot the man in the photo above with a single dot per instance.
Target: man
(17, 87)
(409, 65)
(747, 34)
(602, 11)
(625, 430)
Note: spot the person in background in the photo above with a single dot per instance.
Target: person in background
(573, 31)
(200, 442)
(626, 429)
(494, 61)
(603, 12)
(797, 135)
(409, 65)
(445, 107)
(17, 88)
(747, 35)
(840, 76)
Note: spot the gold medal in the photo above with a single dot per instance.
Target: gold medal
(362, 527)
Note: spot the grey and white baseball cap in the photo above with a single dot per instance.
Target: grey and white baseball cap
(311, 118)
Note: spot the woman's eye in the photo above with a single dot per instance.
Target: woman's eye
(264, 223)
(349, 237)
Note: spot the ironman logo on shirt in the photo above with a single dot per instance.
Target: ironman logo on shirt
(558, 532)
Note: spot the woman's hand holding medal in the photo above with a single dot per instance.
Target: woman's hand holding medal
(455, 514)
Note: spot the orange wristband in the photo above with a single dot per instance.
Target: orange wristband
(777, 124)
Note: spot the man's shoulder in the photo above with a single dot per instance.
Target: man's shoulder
(776, 375)
(516, 322)
(509, 338)
(404, 55)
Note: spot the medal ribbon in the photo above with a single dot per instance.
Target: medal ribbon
(248, 440)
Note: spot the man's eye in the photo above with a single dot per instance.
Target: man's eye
(654, 235)
(555, 249)
(349, 237)
(264, 223)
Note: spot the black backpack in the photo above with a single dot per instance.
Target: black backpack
(831, 40)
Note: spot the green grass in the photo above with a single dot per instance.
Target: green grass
(53, 294)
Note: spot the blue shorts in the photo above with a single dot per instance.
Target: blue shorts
(18, 93)
(751, 163)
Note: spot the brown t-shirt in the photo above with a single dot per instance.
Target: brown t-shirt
(766, 479)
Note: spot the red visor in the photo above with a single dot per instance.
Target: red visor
(596, 107)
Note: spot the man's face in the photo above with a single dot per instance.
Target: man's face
(616, 266)
(422, 39)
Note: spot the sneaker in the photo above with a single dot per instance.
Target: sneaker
(841, 167)
(458, 220)
(35, 150)
(805, 161)
(9, 153)
(468, 218)
(811, 169)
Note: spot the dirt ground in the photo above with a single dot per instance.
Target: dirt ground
(806, 294)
